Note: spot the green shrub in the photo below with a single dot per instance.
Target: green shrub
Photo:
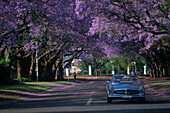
(23, 79)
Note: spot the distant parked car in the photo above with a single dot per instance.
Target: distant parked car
(125, 87)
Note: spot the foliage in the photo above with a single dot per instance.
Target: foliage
(131, 27)
(5, 64)
(107, 68)
(120, 64)
(73, 28)
(5, 60)
(49, 27)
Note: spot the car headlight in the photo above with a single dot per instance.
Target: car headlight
(142, 91)
(111, 90)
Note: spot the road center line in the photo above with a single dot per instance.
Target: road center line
(89, 101)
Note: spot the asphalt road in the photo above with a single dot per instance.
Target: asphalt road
(88, 97)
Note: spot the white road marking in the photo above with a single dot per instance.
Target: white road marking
(89, 101)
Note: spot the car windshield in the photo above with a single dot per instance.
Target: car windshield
(126, 79)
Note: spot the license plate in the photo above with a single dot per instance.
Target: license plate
(126, 96)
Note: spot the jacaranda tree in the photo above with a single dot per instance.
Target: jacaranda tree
(132, 27)
(50, 28)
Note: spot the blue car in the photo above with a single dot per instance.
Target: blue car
(125, 87)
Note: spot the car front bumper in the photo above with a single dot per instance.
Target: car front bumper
(116, 96)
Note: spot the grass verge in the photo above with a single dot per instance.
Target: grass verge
(23, 87)
(14, 92)
(159, 84)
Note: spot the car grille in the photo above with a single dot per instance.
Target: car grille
(126, 92)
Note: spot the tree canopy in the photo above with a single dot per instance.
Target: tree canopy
(58, 28)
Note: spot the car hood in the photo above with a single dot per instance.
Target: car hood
(127, 86)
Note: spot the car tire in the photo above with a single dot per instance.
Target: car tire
(109, 100)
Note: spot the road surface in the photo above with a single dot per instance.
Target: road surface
(89, 97)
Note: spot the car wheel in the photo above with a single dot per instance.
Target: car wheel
(109, 100)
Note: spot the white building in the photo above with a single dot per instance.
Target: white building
(74, 66)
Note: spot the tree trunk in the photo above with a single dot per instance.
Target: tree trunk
(44, 75)
(60, 70)
(12, 69)
(150, 69)
(60, 73)
(157, 71)
(25, 65)
(54, 72)
(161, 71)
(1, 74)
(166, 72)
(31, 67)
(151, 74)
(49, 74)
(164, 62)
(19, 66)
(165, 67)
(154, 72)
